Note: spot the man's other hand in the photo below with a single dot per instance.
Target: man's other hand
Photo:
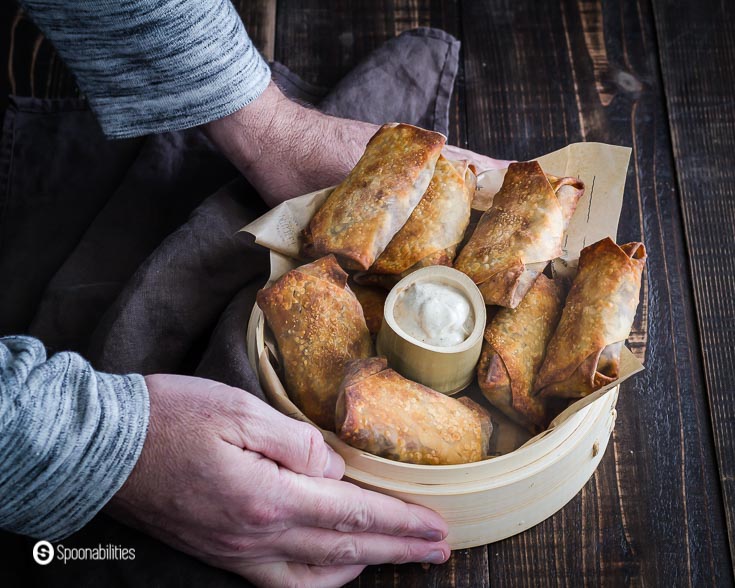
(231, 481)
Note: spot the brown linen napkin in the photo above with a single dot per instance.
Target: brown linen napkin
(92, 259)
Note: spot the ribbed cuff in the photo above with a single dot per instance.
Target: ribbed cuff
(230, 92)
(215, 70)
(108, 460)
(70, 438)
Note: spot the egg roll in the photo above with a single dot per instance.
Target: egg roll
(372, 300)
(383, 413)
(513, 350)
(520, 233)
(568, 191)
(319, 326)
(434, 229)
(364, 212)
(584, 352)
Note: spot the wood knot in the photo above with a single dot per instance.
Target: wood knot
(628, 83)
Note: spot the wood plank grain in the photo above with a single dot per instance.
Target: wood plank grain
(697, 55)
(323, 42)
(29, 62)
(259, 17)
(539, 76)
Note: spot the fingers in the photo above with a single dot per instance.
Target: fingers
(295, 445)
(298, 574)
(329, 504)
(324, 547)
(320, 557)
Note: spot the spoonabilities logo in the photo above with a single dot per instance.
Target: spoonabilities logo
(43, 553)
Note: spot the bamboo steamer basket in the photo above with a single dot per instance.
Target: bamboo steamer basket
(484, 501)
(494, 499)
(445, 369)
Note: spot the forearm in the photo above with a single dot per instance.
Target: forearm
(69, 437)
(285, 149)
(273, 127)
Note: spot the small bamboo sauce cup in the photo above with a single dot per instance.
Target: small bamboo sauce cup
(444, 369)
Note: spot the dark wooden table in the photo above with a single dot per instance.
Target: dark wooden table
(658, 76)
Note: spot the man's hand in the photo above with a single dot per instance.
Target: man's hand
(226, 478)
(285, 149)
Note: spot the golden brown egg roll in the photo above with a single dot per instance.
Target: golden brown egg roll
(365, 211)
(434, 229)
(319, 326)
(372, 300)
(520, 233)
(584, 352)
(512, 352)
(568, 191)
(383, 413)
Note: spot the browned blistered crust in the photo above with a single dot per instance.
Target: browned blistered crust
(506, 287)
(584, 352)
(436, 225)
(381, 412)
(486, 423)
(319, 326)
(372, 300)
(514, 347)
(524, 225)
(387, 281)
(363, 213)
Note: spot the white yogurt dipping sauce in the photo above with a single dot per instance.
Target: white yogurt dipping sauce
(435, 314)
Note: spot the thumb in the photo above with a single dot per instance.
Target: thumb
(295, 445)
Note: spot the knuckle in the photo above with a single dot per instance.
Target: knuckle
(358, 519)
(407, 553)
(266, 516)
(229, 545)
(344, 551)
(403, 525)
(315, 458)
(262, 515)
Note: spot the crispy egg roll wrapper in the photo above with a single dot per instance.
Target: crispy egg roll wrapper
(372, 300)
(584, 353)
(520, 233)
(319, 326)
(365, 211)
(568, 191)
(383, 413)
(434, 229)
(513, 350)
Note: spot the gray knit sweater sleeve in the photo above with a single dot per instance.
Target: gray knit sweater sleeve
(148, 66)
(69, 437)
